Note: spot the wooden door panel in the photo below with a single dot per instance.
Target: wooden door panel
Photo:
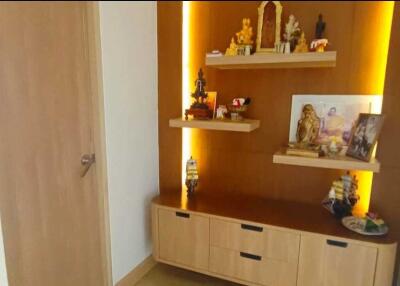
(331, 263)
(184, 238)
(50, 215)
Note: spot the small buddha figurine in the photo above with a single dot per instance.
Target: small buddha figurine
(244, 36)
(301, 46)
(308, 126)
(232, 50)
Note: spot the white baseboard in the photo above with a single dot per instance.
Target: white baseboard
(136, 274)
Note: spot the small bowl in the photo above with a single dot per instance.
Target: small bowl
(236, 111)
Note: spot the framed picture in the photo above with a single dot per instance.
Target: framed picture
(337, 113)
(269, 26)
(212, 101)
(364, 136)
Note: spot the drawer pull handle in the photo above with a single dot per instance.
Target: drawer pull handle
(336, 243)
(250, 256)
(252, 227)
(180, 214)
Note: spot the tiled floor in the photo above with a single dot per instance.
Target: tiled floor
(166, 275)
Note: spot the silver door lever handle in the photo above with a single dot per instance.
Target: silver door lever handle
(87, 160)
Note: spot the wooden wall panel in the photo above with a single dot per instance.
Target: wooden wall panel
(169, 27)
(242, 163)
(386, 194)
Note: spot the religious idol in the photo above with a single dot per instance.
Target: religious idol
(233, 49)
(199, 108)
(245, 35)
(301, 46)
(308, 126)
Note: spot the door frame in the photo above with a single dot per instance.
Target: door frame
(99, 141)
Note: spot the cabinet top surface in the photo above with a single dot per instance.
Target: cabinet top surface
(292, 215)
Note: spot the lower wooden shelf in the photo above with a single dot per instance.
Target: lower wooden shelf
(246, 125)
(339, 162)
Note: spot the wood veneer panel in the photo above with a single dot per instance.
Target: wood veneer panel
(52, 219)
(250, 169)
(386, 195)
(232, 163)
(169, 25)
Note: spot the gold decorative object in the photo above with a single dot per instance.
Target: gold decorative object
(244, 36)
(319, 45)
(308, 126)
(302, 46)
(269, 26)
(232, 50)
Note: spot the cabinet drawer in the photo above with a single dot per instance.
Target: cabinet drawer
(257, 239)
(252, 267)
(325, 262)
(183, 238)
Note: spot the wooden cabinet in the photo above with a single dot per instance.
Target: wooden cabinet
(327, 262)
(254, 253)
(254, 238)
(201, 237)
(183, 238)
(252, 268)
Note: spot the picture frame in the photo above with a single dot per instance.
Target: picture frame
(212, 102)
(269, 26)
(347, 107)
(365, 135)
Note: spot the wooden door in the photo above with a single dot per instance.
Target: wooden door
(51, 216)
(325, 262)
(184, 238)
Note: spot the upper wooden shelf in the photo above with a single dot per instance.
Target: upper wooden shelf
(339, 162)
(246, 125)
(274, 60)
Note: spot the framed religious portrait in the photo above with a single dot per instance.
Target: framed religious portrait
(337, 114)
(364, 136)
(269, 26)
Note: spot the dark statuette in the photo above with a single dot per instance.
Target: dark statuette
(200, 94)
(320, 28)
(199, 108)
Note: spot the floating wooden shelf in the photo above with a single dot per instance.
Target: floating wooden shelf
(340, 162)
(246, 125)
(274, 60)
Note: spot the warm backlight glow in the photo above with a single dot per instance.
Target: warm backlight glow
(376, 81)
(374, 78)
(186, 133)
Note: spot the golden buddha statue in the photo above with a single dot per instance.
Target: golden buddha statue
(301, 46)
(232, 50)
(308, 126)
(244, 36)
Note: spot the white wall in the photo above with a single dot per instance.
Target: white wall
(3, 269)
(129, 55)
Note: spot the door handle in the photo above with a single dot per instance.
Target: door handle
(87, 161)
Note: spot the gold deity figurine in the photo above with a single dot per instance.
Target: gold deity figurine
(232, 50)
(308, 126)
(244, 36)
(301, 46)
